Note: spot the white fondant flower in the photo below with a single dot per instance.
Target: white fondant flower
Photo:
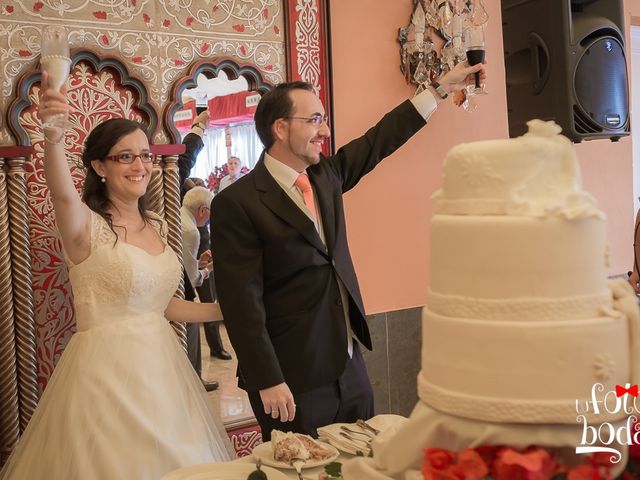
(479, 174)
(540, 128)
(604, 366)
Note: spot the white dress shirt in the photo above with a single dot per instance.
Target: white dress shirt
(190, 244)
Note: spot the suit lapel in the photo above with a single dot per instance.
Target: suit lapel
(322, 190)
(276, 200)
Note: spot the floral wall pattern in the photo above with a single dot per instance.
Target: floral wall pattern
(156, 39)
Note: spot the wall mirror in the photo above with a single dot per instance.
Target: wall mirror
(231, 93)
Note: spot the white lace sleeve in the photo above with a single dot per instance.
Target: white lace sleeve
(100, 234)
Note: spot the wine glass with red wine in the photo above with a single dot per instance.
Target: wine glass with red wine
(474, 46)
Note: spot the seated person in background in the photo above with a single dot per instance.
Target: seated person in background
(234, 167)
(195, 213)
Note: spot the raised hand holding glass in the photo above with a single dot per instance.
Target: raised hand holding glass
(474, 46)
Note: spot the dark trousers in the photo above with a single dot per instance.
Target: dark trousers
(193, 330)
(207, 293)
(212, 334)
(346, 400)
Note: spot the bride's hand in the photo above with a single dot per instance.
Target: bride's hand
(52, 103)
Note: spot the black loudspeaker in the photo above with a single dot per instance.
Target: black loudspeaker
(565, 61)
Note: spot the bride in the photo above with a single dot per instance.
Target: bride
(123, 401)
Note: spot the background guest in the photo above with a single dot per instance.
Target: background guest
(193, 214)
(234, 167)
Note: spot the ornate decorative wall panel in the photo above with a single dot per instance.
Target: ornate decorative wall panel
(156, 40)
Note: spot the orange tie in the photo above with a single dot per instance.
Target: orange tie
(302, 182)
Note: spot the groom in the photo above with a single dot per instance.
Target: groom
(284, 275)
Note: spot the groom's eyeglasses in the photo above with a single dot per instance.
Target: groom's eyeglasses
(316, 120)
(146, 157)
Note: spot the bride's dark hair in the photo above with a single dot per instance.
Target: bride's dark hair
(97, 146)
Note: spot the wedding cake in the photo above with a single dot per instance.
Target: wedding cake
(521, 328)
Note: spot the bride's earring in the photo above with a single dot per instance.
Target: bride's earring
(103, 179)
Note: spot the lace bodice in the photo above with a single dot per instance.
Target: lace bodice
(119, 281)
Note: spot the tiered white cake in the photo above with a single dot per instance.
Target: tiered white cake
(520, 321)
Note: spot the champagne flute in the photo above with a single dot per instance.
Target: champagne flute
(55, 61)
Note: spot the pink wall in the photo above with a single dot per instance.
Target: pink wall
(388, 213)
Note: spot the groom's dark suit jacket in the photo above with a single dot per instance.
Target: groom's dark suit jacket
(276, 280)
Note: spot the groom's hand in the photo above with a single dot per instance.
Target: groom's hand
(278, 402)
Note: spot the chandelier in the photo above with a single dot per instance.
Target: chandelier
(433, 42)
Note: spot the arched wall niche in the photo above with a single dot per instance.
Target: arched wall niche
(210, 70)
(140, 102)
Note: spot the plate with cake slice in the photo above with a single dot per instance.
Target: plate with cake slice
(284, 448)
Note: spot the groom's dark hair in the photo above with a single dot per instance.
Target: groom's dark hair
(273, 105)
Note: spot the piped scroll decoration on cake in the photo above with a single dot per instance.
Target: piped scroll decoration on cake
(519, 309)
(535, 175)
(500, 410)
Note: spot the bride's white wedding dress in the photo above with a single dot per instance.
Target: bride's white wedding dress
(123, 401)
